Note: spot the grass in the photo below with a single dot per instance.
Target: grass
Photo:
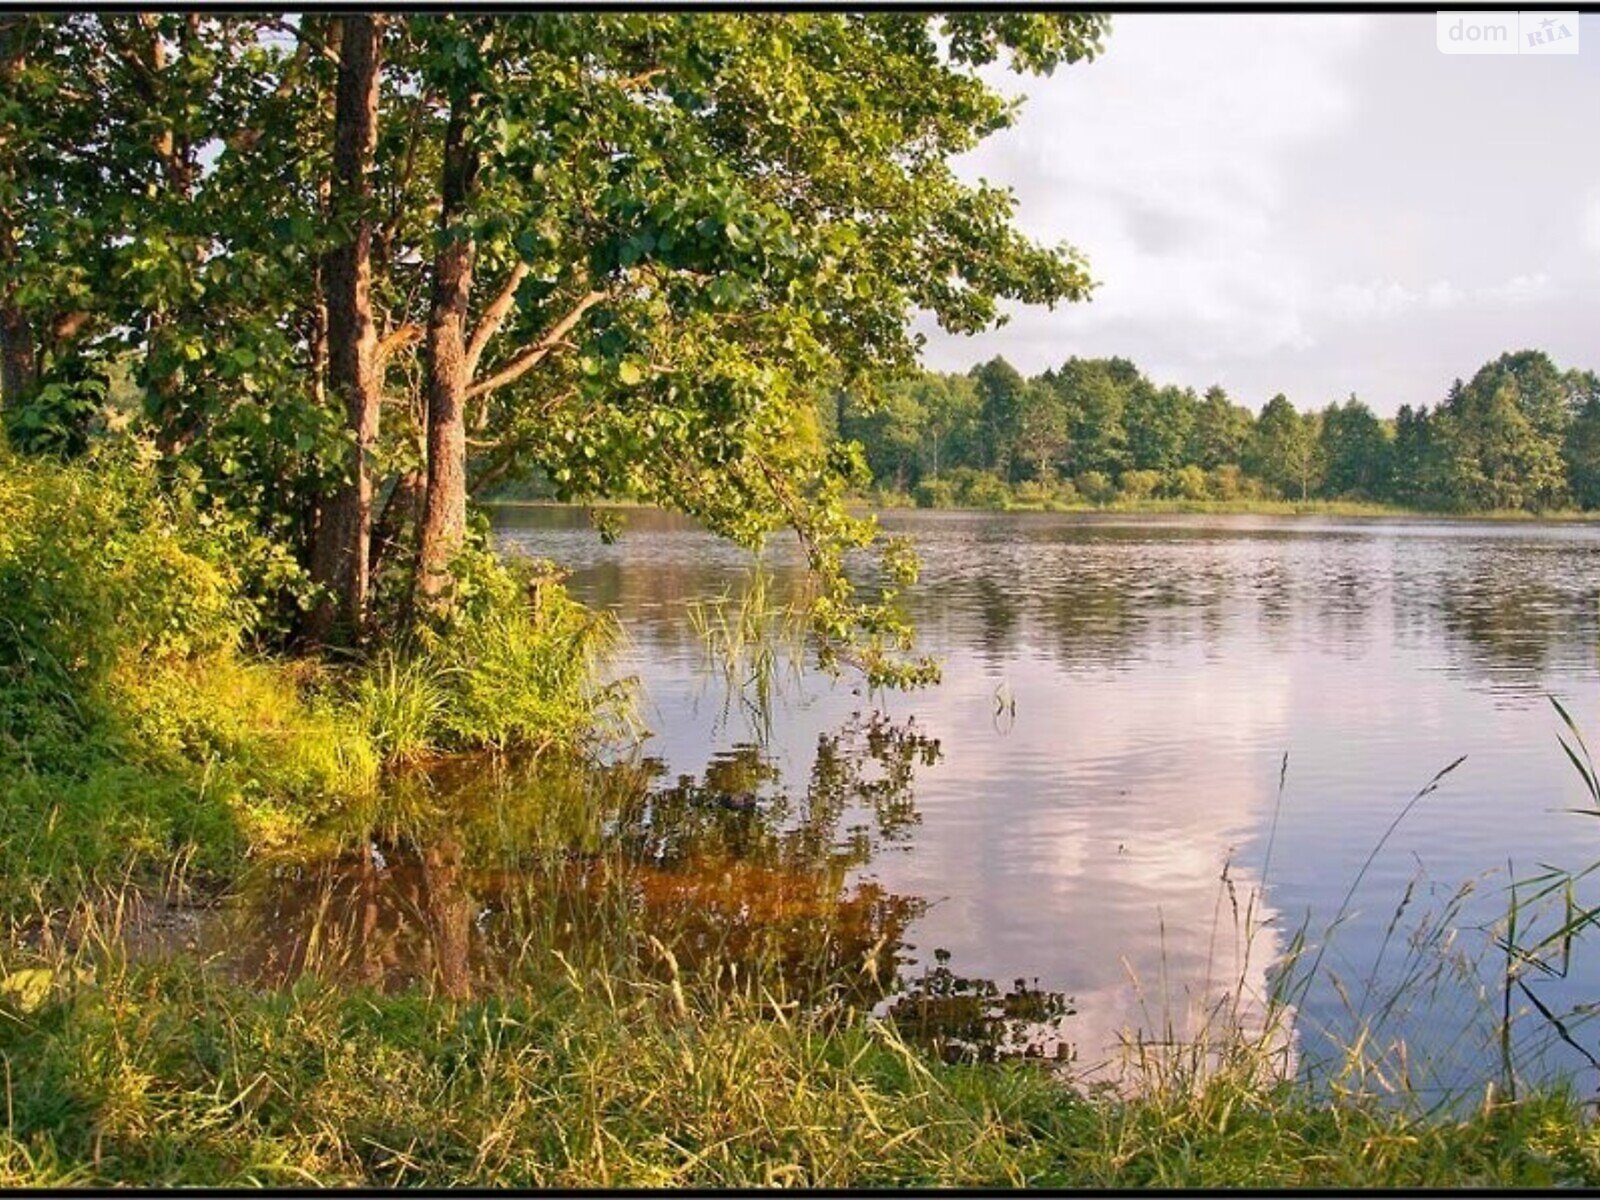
(1249, 507)
(164, 1073)
(748, 639)
(601, 1060)
(141, 722)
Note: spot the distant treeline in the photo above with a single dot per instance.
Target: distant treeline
(1521, 434)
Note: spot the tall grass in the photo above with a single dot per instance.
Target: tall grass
(586, 1073)
(750, 640)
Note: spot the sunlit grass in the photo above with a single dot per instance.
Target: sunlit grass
(164, 1072)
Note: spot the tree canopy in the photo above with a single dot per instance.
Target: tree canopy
(1522, 434)
(346, 270)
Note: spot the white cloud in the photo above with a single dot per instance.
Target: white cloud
(1163, 161)
(1303, 203)
(1383, 300)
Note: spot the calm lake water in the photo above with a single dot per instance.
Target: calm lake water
(1089, 803)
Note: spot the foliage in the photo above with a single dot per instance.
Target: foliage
(134, 729)
(516, 664)
(1521, 436)
(163, 1074)
(138, 727)
(652, 239)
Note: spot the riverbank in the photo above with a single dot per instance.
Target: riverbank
(1241, 507)
(583, 1075)
(152, 750)
(895, 502)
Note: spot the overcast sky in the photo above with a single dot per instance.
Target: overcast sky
(1313, 204)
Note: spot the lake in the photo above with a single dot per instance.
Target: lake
(1092, 805)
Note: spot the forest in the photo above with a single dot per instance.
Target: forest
(1521, 434)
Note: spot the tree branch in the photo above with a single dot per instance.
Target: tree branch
(402, 337)
(535, 354)
(629, 82)
(493, 317)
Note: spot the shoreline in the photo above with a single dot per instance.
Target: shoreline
(1192, 508)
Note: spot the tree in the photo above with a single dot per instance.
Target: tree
(1041, 429)
(1356, 451)
(626, 249)
(1094, 396)
(1220, 431)
(891, 433)
(950, 414)
(1001, 393)
(341, 553)
(1159, 423)
(1285, 448)
(1500, 436)
(1415, 476)
(1581, 449)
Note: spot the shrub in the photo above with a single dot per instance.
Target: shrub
(516, 663)
(133, 730)
(1226, 482)
(1139, 485)
(1032, 494)
(980, 489)
(1189, 483)
(1095, 487)
(935, 493)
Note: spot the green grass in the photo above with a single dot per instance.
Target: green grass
(165, 1074)
(141, 724)
(1250, 507)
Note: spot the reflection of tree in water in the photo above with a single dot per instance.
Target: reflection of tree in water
(742, 880)
(728, 869)
(1505, 624)
(971, 1020)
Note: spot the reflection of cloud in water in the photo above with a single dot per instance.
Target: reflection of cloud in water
(1102, 874)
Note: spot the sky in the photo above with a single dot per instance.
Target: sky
(1313, 204)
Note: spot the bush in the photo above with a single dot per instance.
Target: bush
(515, 664)
(1226, 482)
(1032, 494)
(1189, 483)
(136, 729)
(935, 493)
(1095, 487)
(1139, 485)
(133, 731)
(979, 489)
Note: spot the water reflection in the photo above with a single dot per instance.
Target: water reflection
(1159, 670)
(494, 871)
(1506, 601)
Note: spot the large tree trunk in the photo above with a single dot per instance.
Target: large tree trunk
(444, 510)
(340, 557)
(400, 513)
(19, 365)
